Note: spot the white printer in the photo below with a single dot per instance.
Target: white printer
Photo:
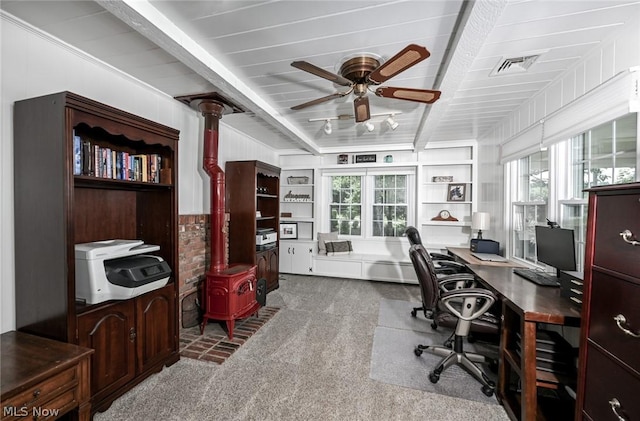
(117, 270)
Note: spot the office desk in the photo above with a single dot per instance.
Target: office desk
(524, 305)
(44, 379)
(463, 255)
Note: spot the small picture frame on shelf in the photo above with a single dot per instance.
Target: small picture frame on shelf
(289, 231)
(456, 192)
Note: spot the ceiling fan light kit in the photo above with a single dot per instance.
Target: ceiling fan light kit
(363, 70)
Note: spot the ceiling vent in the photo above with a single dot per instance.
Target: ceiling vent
(520, 64)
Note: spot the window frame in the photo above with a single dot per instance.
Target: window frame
(367, 197)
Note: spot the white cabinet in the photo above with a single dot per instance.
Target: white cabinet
(296, 256)
(447, 178)
(297, 201)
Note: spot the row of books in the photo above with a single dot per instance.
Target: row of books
(102, 162)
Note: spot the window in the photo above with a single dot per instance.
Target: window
(371, 203)
(550, 184)
(601, 156)
(345, 209)
(390, 207)
(530, 209)
(604, 155)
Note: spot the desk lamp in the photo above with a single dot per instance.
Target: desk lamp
(480, 221)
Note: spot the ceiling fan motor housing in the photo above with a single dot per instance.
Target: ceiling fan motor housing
(358, 68)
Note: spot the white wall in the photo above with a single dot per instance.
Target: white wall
(617, 54)
(34, 64)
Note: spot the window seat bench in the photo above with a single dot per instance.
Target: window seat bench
(375, 267)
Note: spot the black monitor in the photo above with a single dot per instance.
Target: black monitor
(556, 247)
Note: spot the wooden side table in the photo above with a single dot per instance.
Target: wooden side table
(44, 379)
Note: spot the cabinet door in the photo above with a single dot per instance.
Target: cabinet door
(110, 331)
(262, 265)
(302, 261)
(274, 273)
(155, 326)
(286, 257)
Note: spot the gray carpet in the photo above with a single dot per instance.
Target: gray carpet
(310, 362)
(393, 360)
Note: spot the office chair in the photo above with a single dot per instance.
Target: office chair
(447, 267)
(446, 263)
(467, 306)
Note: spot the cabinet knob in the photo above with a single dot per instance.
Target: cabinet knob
(628, 237)
(615, 406)
(132, 334)
(621, 320)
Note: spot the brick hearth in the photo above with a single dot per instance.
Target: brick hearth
(214, 345)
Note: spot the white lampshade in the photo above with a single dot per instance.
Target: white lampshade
(480, 221)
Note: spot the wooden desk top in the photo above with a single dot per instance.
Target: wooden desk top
(29, 359)
(535, 303)
(465, 254)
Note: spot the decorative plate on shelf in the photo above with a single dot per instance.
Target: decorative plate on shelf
(444, 215)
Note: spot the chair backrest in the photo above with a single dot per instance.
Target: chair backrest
(413, 235)
(426, 274)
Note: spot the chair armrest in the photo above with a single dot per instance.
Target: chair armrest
(476, 302)
(456, 281)
(440, 256)
(459, 267)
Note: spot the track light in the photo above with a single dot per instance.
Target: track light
(368, 124)
(391, 122)
(327, 127)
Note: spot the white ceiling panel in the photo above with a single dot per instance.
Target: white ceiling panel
(256, 41)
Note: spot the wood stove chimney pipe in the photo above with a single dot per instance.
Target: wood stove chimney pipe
(212, 112)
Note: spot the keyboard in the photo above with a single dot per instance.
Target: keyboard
(537, 277)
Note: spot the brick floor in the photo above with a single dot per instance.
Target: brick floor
(214, 345)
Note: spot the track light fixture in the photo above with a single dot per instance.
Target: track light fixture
(368, 125)
(391, 122)
(327, 127)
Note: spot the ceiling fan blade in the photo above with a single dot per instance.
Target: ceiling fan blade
(361, 109)
(417, 95)
(320, 100)
(410, 55)
(315, 70)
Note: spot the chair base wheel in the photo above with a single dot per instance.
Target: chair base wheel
(417, 351)
(414, 313)
(433, 378)
(487, 390)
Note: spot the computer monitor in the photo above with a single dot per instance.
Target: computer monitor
(556, 247)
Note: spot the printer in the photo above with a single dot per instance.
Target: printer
(117, 270)
(266, 237)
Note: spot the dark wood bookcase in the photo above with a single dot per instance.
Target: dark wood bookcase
(56, 209)
(253, 186)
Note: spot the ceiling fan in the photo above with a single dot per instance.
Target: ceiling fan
(359, 72)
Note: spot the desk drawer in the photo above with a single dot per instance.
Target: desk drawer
(606, 380)
(615, 214)
(51, 394)
(614, 296)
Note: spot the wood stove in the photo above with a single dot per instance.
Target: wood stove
(229, 292)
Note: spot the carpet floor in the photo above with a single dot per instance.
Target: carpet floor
(393, 360)
(311, 361)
